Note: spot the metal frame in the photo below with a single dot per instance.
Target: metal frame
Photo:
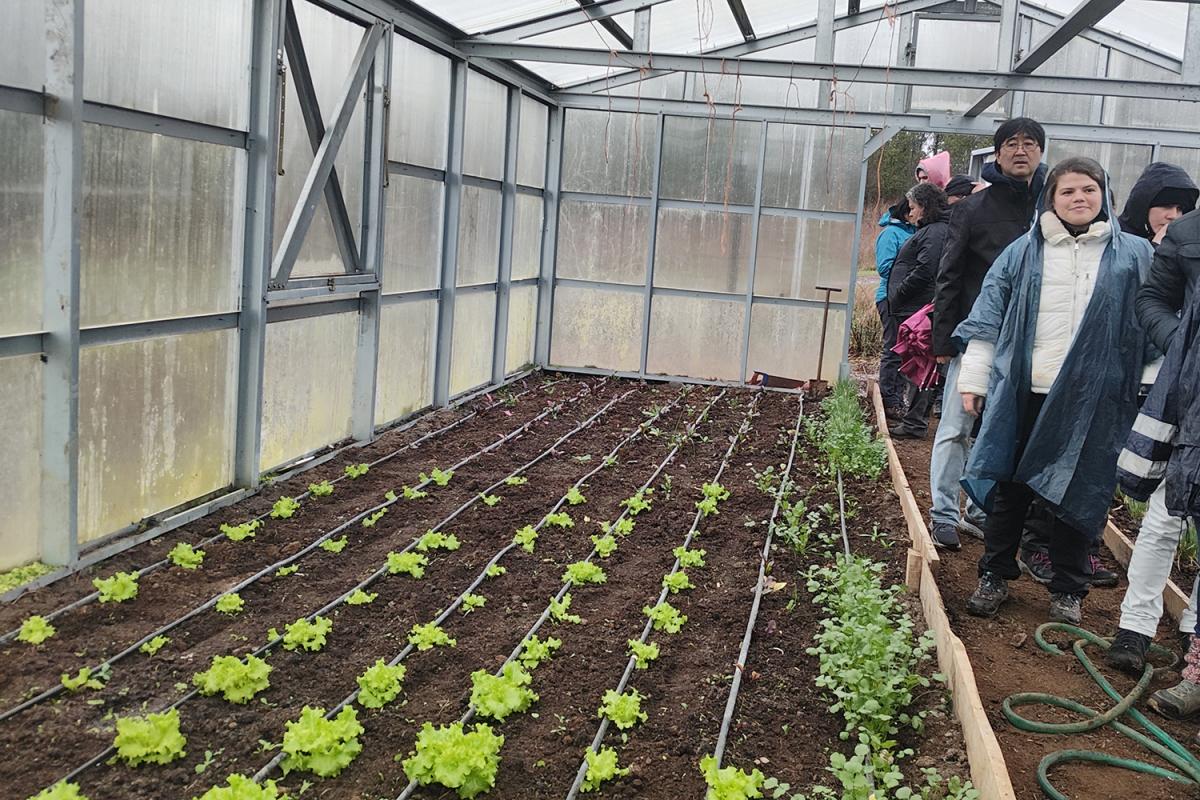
(648, 289)
(508, 207)
(451, 215)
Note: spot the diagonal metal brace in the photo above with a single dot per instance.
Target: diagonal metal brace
(881, 138)
(322, 166)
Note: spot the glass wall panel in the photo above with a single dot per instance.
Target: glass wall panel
(955, 44)
(412, 234)
(479, 236)
(161, 227)
(729, 87)
(599, 328)
(712, 160)
(785, 340)
(871, 45)
(149, 56)
(308, 385)
(487, 124)
(1135, 113)
(20, 222)
(21, 454)
(696, 337)
(812, 167)
(531, 143)
(1185, 157)
(474, 335)
(1124, 162)
(608, 152)
(797, 255)
(522, 320)
(574, 36)
(156, 426)
(22, 44)
(708, 250)
(419, 117)
(407, 345)
(1079, 57)
(602, 241)
(527, 237)
(666, 87)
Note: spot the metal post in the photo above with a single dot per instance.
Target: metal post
(265, 101)
(647, 297)
(1016, 107)
(754, 227)
(826, 11)
(902, 95)
(545, 318)
(641, 29)
(1190, 68)
(1103, 59)
(63, 165)
(508, 207)
(855, 253)
(453, 209)
(1009, 11)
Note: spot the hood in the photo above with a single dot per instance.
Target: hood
(937, 166)
(887, 219)
(992, 174)
(1157, 177)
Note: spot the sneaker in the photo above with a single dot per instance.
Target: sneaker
(989, 594)
(1179, 701)
(894, 413)
(1128, 651)
(1102, 576)
(945, 536)
(1036, 565)
(1066, 608)
(902, 431)
(970, 526)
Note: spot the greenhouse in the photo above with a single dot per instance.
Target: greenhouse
(443, 399)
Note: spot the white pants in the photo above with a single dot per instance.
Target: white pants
(1150, 568)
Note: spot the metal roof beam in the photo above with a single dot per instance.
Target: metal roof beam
(1190, 70)
(1111, 40)
(595, 11)
(742, 19)
(611, 25)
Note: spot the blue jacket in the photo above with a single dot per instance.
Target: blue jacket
(894, 233)
(1071, 456)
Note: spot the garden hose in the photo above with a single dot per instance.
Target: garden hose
(1158, 741)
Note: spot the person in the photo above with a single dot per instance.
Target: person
(981, 225)
(1053, 345)
(895, 229)
(910, 287)
(935, 169)
(960, 186)
(1163, 193)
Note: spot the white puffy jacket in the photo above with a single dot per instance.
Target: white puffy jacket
(1069, 268)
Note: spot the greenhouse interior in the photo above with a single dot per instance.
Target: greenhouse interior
(274, 267)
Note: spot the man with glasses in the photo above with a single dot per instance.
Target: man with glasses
(981, 226)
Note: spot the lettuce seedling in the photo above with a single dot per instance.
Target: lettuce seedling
(370, 520)
(715, 490)
(562, 519)
(185, 556)
(152, 739)
(380, 684)
(360, 598)
(574, 496)
(335, 546)
(231, 603)
(536, 651)
(283, 572)
(322, 746)
(606, 545)
(559, 608)
(429, 636)
(495, 571)
(601, 767)
(236, 533)
(304, 634)
(665, 617)
(284, 508)
(413, 494)
(390, 496)
(239, 787)
(236, 680)
(690, 558)
(409, 563)
(644, 652)
(85, 677)
(623, 710)
(154, 645)
(322, 489)
(707, 507)
(35, 630)
(497, 696)
(436, 540)
(676, 582)
(437, 476)
(639, 502)
(584, 572)
(446, 756)
(472, 602)
(490, 500)
(730, 783)
(118, 588)
(526, 537)
(516, 480)
(624, 527)
(62, 791)
(356, 470)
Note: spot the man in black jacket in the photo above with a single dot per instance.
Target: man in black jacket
(981, 226)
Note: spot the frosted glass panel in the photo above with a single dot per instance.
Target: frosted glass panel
(608, 152)
(20, 222)
(596, 328)
(522, 321)
(531, 144)
(875, 46)
(785, 340)
(21, 454)
(153, 57)
(474, 333)
(1185, 157)
(797, 255)
(487, 114)
(419, 116)
(1124, 162)
(156, 426)
(22, 44)
(1079, 57)
(479, 236)
(729, 87)
(412, 234)
(308, 385)
(685, 26)
(707, 250)
(161, 227)
(1135, 113)
(695, 337)
(709, 159)
(527, 237)
(407, 341)
(811, 167)
(602, 241)
(953, 44)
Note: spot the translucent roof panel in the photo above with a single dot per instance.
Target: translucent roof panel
(473, 16)
(773, 16)
(1159, 25)
(591, 35)
(689, 26)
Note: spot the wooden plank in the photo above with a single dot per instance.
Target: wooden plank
(1174, 599)
(912, 571)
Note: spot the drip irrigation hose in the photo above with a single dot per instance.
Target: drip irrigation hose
(1157, 741)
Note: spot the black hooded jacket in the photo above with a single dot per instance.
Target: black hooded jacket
(910, 283)
(1157, 177)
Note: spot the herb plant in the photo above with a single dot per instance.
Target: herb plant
(498, 696)
(322, 746)
(35, 630)
(236, 680)
(380, 684)
(152, 739)
(284, 508)
(448, 756)
(623, 710)
(409, 563)
(117, 588)
(185, 556)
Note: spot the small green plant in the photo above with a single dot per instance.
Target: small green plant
(235, 680)
(436, 540)
(601, 767)
(584, 572)
(35, 630)
(152, 739)
(322, 489)
(85, 677)
(623, 710)
(713, 494)
(665, 617)
(390, 496)
(559, 609)
(360, 598)
(305, 635)
(498, 696)
(536, 651)
(526, 537)
(448, 756)
(437, 476)
(490, 500)
(606, 545)
(690, 558)
(495, 571)
(624, 527)
(239, 787)
(844, 437)
(413, 494)
(574, 496)
(185, 556)
(117, 588)
(516, 480)
(353, 471)
(473, 601)
(63, 790)
(676, 582)
(284, 508)
(335, 546)
(321, 746)
(380, 684)
(409, 563)
(283, 572)
(370, 520)
(429, 636)
(231, 603)
(562, 520)
(644, 652)
(730, 783)
(236, 533)
(639, 502)
(154, 645)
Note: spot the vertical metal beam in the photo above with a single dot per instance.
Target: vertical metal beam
(1016, 106)
(265, 101)
(647, 297)
(1006, 42)
(508, 208)
(1190, 69)
(754, 226)
(545, 318)
(855, 253)
(1103, 60)
(641, 30)
(450, 220)
(902, 95)
(63, 165)
(826, 10)
(362, 420)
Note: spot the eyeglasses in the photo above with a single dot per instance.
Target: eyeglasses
(1028, 145)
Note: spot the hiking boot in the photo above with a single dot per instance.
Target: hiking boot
(971, 526)
(1128, 651)
(945, 536)
(902, 431)
(1179, 701)
(1102, 576)
(1066, 608)
(894, 413)
(989, 594)
(1036, 565)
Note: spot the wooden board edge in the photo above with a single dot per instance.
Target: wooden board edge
(1174, 600)
(918, 532)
